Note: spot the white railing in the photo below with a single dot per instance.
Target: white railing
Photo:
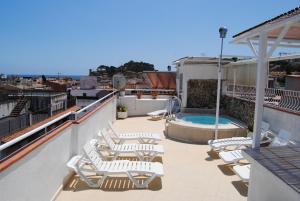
(45, 167)
(278, 98)
(34, 131)
(54, 124)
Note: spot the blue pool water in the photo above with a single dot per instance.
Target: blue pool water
(205, 119)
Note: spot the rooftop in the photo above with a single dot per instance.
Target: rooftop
(190, 174)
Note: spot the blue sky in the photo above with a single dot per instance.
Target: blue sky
(71, 36)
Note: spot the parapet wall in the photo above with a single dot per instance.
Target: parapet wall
(38, 171)
(283, 120)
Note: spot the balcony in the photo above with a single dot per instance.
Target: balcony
(39, 157)
(284, 100)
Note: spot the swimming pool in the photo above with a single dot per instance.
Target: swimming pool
(198, 128)
(205, 119)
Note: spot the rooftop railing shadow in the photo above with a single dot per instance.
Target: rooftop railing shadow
(155, 119)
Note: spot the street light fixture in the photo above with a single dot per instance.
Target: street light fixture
(223, 32)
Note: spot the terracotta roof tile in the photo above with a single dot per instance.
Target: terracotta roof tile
(290, 13)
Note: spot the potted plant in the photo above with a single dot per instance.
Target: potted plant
(154, 94)
(139, 94)
(122, 112)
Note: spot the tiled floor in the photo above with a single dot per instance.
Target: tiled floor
(190, 174)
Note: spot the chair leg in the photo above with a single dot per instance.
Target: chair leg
(141, 141)
(144, 141)
(100, 182)
(144, 184)
(140, 155)
(152, 156)
(115, 155)
(87, 180)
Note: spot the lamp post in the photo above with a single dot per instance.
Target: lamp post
(222, 31)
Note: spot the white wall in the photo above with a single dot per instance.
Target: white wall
(6, 108)
(195, 71)
(245, 74)
(283, 120)
(140, 107)
(39, 175)
(88, 92)
(265, 186)
(90, 127)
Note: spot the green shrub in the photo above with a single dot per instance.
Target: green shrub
(121, 108)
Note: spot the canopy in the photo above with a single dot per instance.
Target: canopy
(263, 39)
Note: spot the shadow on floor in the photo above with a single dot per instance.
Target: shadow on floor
(226, 169)
(110, 184)
(241, 187)
(212, 155)
(133, 158)
(154, 119)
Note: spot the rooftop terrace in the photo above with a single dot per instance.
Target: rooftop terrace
(191, 173)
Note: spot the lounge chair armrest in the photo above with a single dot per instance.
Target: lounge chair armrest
(266, 139)
(270, 133)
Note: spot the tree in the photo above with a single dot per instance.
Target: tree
(44, 78)
(131, 66)
(137, 66)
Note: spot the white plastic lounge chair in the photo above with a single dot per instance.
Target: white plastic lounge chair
(132, 169)
(282, 139)
(264, 129)
(238, 142)
(243, 171)
(236, 155)
(141, 137)
(142, 151)
(231, 156)
(158, 114)
(172, 106)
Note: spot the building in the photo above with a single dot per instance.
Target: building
(292, 82)
(196, 73)
(46, 156)
(85, 97)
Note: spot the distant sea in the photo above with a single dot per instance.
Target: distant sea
(74, 77)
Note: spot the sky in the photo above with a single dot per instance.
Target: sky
(72, 36)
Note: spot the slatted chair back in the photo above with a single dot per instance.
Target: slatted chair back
(91, 153)
(108, 139)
